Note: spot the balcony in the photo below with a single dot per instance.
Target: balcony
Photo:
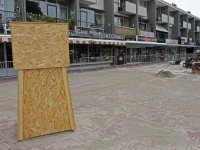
(127, 8)
(162, 18)
(142, 11)
(197, 29)
(88, 2)
(171, 20)
(124, 31)
(183, 25)
(189, 26)
(107, 28)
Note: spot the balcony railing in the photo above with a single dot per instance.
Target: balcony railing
(142, 11)
(189, 26)
(107, 28)
(183, 24)
(124, 31)
(197, 29)
(8, 16)
(162, 18)
(127, 8)
(171, 20)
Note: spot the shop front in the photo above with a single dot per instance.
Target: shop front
(138, 51)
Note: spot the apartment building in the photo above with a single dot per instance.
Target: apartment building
(115, 28)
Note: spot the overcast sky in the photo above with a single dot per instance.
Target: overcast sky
(188, 5)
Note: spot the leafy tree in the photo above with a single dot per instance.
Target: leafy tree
(33, 7)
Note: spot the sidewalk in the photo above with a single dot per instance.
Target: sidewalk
(123, 108)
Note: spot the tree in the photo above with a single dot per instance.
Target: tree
(33, 7)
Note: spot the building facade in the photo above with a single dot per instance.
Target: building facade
(102, 28)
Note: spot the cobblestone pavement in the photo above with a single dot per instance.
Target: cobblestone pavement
(124, 108)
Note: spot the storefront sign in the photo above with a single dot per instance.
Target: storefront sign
(89, 32)
(72, 33)
(169, 41)
(94, 33)
(115, 37)
(146, 39)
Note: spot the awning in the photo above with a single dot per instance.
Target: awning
(7, 38)
(179, 45)
(160, 28)
(144, 44)
(96, 41)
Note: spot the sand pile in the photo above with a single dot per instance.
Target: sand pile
(164, 74)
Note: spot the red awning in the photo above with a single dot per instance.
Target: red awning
(7, 38)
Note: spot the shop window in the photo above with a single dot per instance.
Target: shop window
(78, 53)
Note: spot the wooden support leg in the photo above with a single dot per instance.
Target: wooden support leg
(69, 100)
(20, 104)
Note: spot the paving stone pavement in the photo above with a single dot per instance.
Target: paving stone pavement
(123, 108)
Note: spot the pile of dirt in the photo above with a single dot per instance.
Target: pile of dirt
(164, 74)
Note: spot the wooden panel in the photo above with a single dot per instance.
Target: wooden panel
(39, 45)
(20, 105)
(69, 101)
(125, 31)
(45, 107)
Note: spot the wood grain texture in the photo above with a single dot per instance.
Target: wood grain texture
(39, 45)
(45, 107)
(20, 104)
(68, 98)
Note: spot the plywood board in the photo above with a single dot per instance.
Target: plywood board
(20, 104)
(39, 45)
(45, 108)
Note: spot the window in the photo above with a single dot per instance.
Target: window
(51, 11)
(83, 22)
(143, 26)
(54, 8)
(63, 10)
(89, 17)
(142, 3)
(118, 21)
(98, 19)
(78, 52)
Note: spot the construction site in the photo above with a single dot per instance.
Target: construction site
(154, 106)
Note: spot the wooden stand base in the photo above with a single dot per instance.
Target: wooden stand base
(44, 102)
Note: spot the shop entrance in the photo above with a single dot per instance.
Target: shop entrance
(120, 54)
(1, 53)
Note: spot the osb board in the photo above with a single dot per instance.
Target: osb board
(39, 45)
(45, 107)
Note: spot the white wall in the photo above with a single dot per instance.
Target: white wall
(99, 5)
